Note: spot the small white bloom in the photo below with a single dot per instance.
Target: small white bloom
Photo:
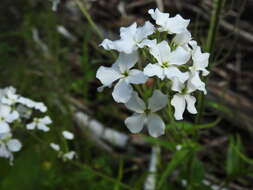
(131, 37)
(6, 116)
(69, 155)
(10, 97)
(145, 114)
(200, 62)
(121, 70)
(55, 147)
(8, 146)
(172, 25)
(179, 147)
(182, 98)
(167, 61)
(40, 123)
(68, 135)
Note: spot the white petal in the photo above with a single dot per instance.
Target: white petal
(160, 51)
(128, 32)
(126, 61)
(46, 120)
(148, 43)
(155, 125)
(136, 77)
(178, 102)
(195, 83)
(177, 85)
(179, 56)
(159, 17)
(12, 116)
(122, 45)
(154, 70)
(69, 155)
(4, 127)
(54, 146)
(122, 91)
(107, 75)
(173, 72)
(135, 122)
(200, 61)
(177, 24)
(4, 110)
(157, 101)
(136, 104)
(43, 127)
(31, 126)
(182, 38)
(14, 145)
(144, 31)
(68, 135)
(190, 100)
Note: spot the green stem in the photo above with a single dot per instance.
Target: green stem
(212, 33)
(108, 178)
(88, 17)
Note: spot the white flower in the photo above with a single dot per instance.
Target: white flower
(69, 155)
(10, 97)
(131, 37)
(55, 147)
(167, 61)
(172, 25)
(182, 98)
(8, 146)
(200, 62)
(121, 71)
(68, 135)
(6, 116)
(145, 114)
(32, 104)
(40, 123)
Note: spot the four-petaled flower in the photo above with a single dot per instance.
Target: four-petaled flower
(145, 114)
(167, 61)
(121, 70)
(182, 98)
(40, 123)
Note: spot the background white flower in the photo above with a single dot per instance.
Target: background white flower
(68, 135)
(121, 71)
(40, 123)
(131, 36)
(145, 115)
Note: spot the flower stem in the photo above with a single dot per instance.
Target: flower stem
(212, 33)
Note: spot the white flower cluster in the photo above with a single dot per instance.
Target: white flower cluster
(61, 154)
(16, 110)
(172, 56)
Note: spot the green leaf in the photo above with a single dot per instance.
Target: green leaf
(234, 161)
(179, 158)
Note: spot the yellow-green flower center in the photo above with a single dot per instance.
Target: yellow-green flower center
(165, 64)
